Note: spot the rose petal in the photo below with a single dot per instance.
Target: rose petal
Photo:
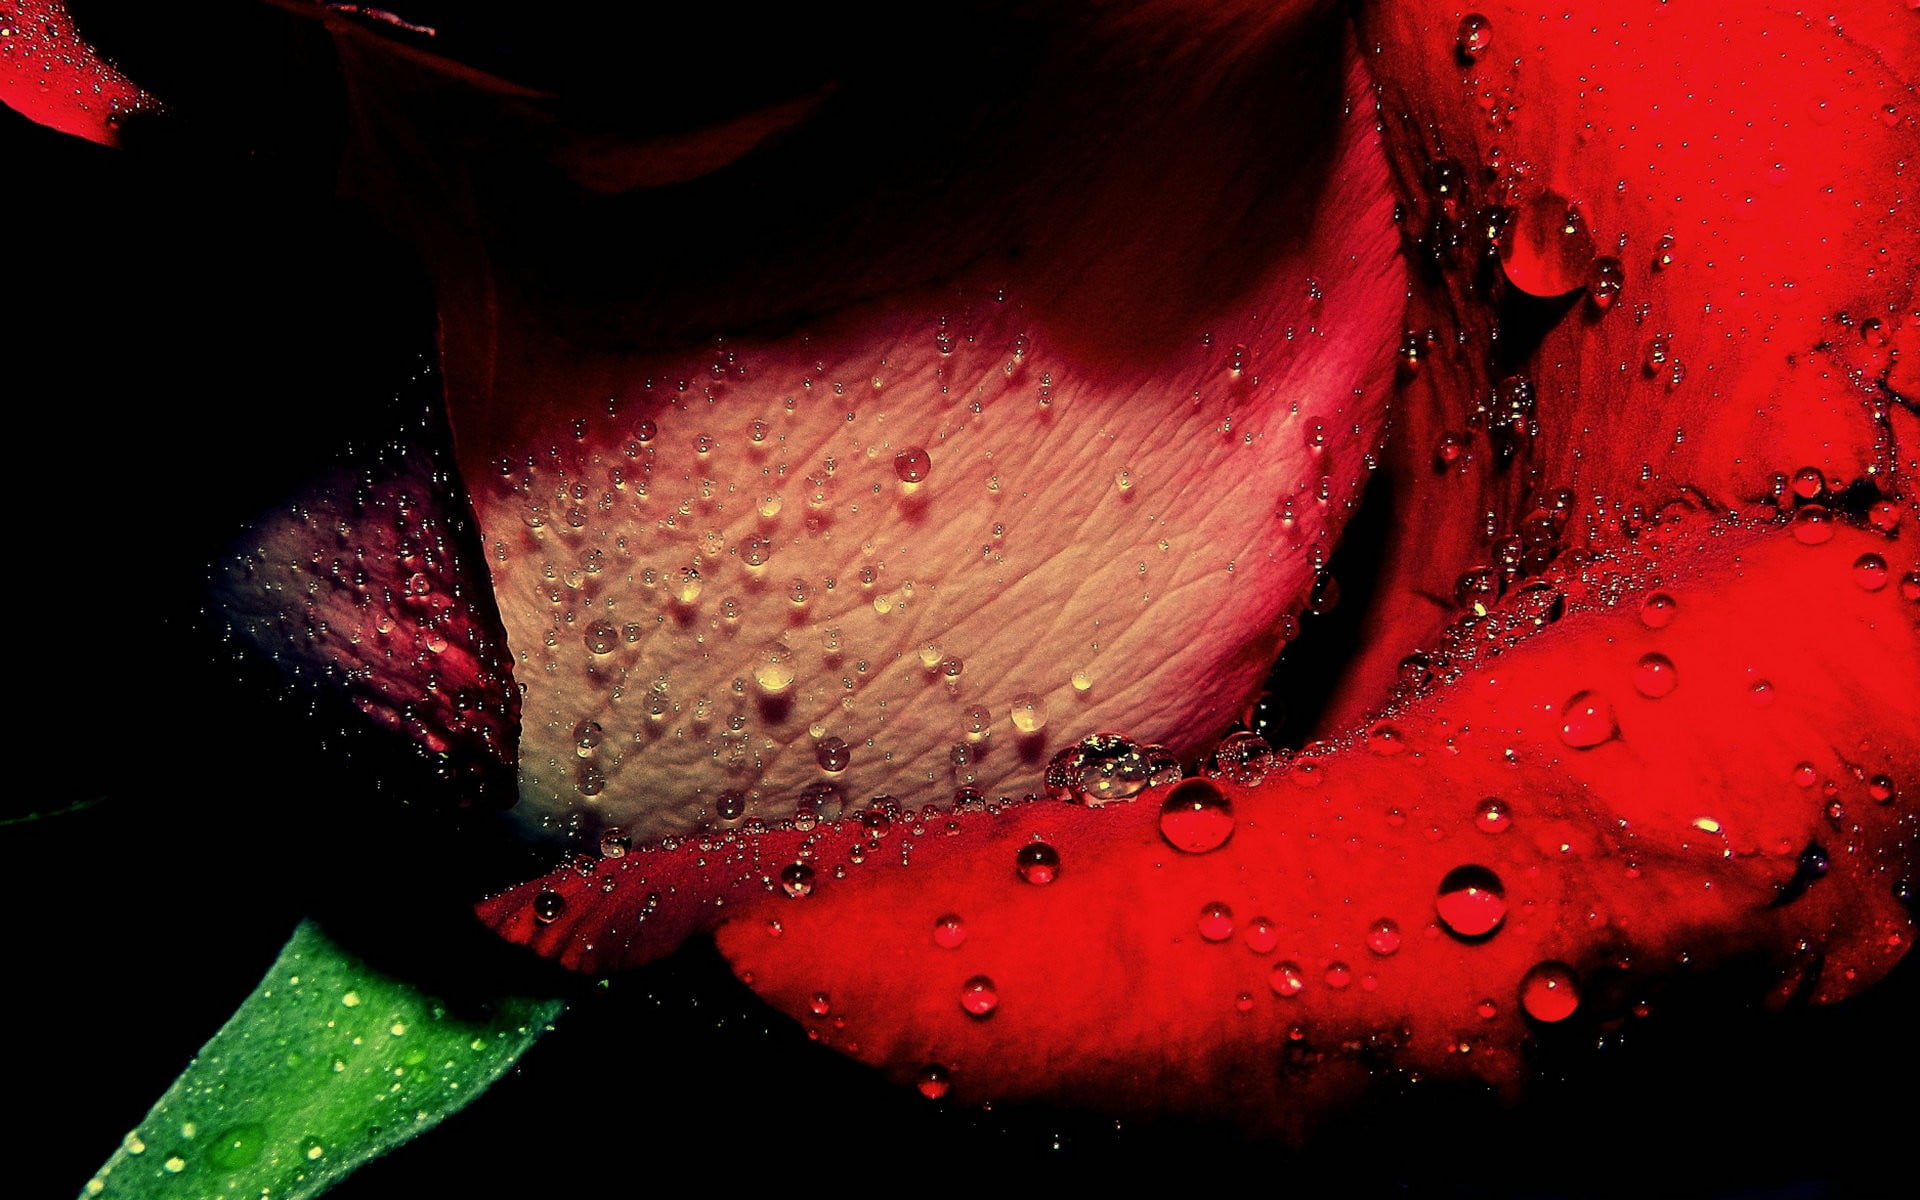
(1139, 385)
(1683, 831)
(51, 75)
(1781, 215)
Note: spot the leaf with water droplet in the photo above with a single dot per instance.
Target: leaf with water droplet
(328, 1064)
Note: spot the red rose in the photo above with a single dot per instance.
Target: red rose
(1642, 281)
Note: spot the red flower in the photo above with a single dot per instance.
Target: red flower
(1078, 360)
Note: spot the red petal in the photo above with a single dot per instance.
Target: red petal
(49, 74)
(1696, 837)
(1765, 235)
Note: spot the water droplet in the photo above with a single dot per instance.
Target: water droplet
(1196, 817)
(949, 932)
(1881, 789)
(601, 637)
(933, 1082)
(1587, 720)
(1082, 681)
(1242, 758)
(796, 880)
(1870, 571)
(1658, 610)
(1606, 279)
(1805, 774)
(912, 464)
(1910, 585)
(978, 997)
(1100, 768)
(547, 907)
(1809, 483)
(775, 670)
(1549, 992)
(1471, 902)
(832, 754)
(1123, 479)
(1324, 596)
(1383, 936)
(729, 805)
(1262, 935)
(1338, 975)
(1287, 980)
(820, 1005)
(237, 1147)
(1547, 250)
(1761, 693)
(1813, 525)
(1216, 922)
(1029, 713)
(1037, 863)
(1473, 37)
(587, 736)
(1654, 676)
(614, 842)
(685, 585)
(1492, 815)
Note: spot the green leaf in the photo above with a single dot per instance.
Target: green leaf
(328, 1064)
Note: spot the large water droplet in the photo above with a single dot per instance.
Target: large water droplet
(1870, 571)
(979, 997)
(1029, 713)
(832, 754)
(1242, 758)
(1196, 817)
(1287, 980)
(1037, 863)
(237, 1147)
(1813, 525)
(796, 880)
(548, 906)
(1549, 992)
(774, 671)
(1473, 37)
(1383, 936)
(1100, 768)
(1547, 250)
(1216, 922)
(1492, 815)
(1587, 720)
(1654, 676)
(949, 931)
(1658, 610)
(912, 464)
(1606, 279)
(1262, 935)
(933, 1082)
(601, 637)
(1471, 902)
